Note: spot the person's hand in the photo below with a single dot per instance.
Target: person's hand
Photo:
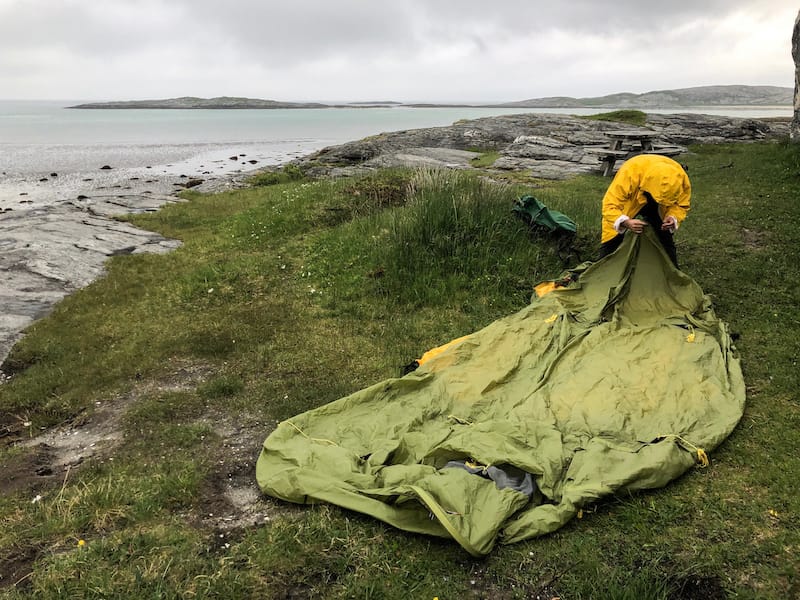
(635, 225)
(670, 224)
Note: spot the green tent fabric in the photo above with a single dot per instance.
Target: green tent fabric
(619, 381)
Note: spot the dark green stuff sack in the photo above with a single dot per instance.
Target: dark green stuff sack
(538, 215)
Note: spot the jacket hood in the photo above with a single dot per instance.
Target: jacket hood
(667, 183)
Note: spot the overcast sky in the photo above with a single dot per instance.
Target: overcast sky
(406, 50)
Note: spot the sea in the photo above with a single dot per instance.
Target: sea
(41, 139)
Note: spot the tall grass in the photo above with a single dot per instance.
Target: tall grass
(456, 234)
(455, 237)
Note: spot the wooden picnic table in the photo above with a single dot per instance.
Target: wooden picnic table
(631, 137)
(625, 143)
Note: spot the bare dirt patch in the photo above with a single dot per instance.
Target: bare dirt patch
(99, 431)
(228, 503)
(754, 240)
(90, 434)
(29, 472)
(12, 429)
(230, 498)
(698, 587)
(15, 571)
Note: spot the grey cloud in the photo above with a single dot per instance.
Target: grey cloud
(313, 26)
(297, 31)
(423, 47)
(291, 33)
(84, 28)
(591, 15)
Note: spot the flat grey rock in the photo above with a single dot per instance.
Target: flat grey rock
(424, 157)
(547, 145)
(47, 252)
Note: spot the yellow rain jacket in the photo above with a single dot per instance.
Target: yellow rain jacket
(663, 178)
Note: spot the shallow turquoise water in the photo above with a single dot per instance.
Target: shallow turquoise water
(40, 135)
(36, 137)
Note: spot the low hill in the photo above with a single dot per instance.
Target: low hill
(711, 95)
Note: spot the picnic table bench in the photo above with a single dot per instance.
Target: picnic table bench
(625, 143)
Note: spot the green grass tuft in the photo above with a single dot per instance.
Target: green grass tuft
(287, 174)
(631, 117)
(485, 160)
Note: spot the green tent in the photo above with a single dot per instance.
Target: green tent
(620, 381)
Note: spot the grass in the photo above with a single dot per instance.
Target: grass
(289, 172)
(632, 117)
(286, 296)
(485, 160)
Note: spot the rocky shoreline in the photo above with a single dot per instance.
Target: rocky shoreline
(547, 146)
(49, 250)
(52, 247)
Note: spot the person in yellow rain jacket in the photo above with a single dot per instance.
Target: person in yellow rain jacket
(649, 190)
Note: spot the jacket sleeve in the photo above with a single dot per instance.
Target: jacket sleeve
(616, 201)
(682, 205)
(678, 211)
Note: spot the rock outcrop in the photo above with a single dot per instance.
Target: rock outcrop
(49, 252)
(795, 125)
(544, 145)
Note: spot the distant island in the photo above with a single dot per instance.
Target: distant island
(712, 95)
(189, 102)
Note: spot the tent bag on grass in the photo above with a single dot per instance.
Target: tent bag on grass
(620, 381)
(537, 214)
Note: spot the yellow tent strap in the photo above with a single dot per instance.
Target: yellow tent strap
(702, 457)
(303, 433)
(476, 465)
(441, 515)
